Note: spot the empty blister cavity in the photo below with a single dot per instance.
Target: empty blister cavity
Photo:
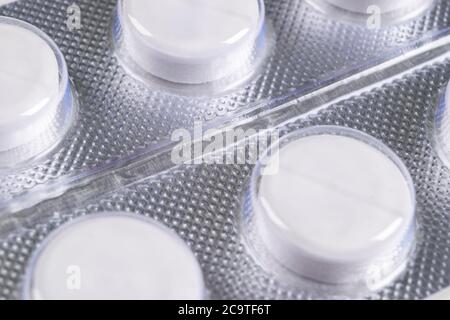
(36, 97)
(114, 256)
(334, 206)
(373, 13)
(191, 43)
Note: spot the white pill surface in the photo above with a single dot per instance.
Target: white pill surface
(334, 204)
(384, 6)
(29, 82)
(193, 41)
(115, 256)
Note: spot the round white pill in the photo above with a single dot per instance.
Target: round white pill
(114, 256)
(382, 6)
(30, 82)
(191, 42)
(334, 205)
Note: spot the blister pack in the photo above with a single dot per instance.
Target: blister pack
(229, 149)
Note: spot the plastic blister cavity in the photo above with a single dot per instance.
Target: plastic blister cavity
(216, 44)
(37, 101)
(113, 102)
(374, 13)
(334, 206)
(114, 256)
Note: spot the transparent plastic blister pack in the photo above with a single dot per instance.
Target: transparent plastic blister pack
(121, 118)
(318, 69)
